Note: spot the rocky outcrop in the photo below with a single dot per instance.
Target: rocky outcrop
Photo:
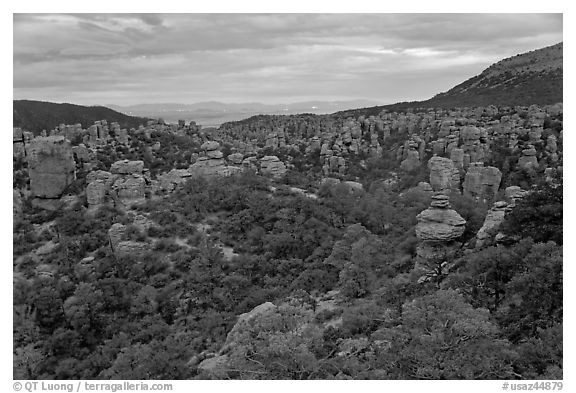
(235, 158)
(169, 181)
(514, 194)
(126, 167)
(115, 234)
(216, 366)
(411, 161)
(20, 141)
(51, 166)
(96, 192)
(122, 248)
(482, 182)
(272, 166)
(444, 176)
(130, 189)
(212, 163)
(131, 248)
(129, 183)
(492, 222)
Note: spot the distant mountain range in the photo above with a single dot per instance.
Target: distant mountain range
(212, 113)
(534, 77)
(36, 116)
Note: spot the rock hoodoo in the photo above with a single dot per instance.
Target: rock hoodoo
(212, 162)
(494, 218)
(482, 182)
(51, 166)
(444, 176)
(437, 231)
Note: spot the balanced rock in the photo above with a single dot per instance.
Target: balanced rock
(439, 222)
(528, 159)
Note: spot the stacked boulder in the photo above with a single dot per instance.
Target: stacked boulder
(212, 163)
(552, 148)
(437, 230)
(410, 155)
(514, 194)
(51, 166)
(130, 183)
(528, 159)
(126, 184)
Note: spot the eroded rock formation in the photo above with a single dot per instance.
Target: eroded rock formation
(51, 166)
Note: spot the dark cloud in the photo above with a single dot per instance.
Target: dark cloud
(132, 58)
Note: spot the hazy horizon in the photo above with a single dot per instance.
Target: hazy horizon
(131, 59)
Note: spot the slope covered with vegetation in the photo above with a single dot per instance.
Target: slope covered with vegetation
(36, 116)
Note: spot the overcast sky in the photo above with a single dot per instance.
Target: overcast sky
(125, 59)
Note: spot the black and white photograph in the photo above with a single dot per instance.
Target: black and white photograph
(287, 196)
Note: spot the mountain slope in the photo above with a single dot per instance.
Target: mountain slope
(534, 77)
(36, 116)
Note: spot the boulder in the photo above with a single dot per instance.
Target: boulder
(354, 187)
(244, 320)
(236, 158)
(210, 146)
(272, 166)
(214, 367)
